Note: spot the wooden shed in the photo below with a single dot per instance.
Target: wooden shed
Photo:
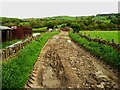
(20, 32)
(5, 33)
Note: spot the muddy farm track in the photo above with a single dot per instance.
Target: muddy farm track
(63, 64)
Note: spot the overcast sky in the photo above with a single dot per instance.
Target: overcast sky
(45, 9)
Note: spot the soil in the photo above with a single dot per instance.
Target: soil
(63, 64)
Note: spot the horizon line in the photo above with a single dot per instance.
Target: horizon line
(58, 15)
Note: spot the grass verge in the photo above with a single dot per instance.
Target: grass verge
(106, 53)
(16, 71)
(7, 43)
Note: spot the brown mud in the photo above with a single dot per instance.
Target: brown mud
(63, 64)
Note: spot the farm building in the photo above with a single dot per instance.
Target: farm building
(5, 34)
(20, 32)
(15, 32)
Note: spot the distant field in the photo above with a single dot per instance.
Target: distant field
(40, 29)
(24, 23)
(107, 35)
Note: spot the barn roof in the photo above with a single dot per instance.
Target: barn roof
(4, 27)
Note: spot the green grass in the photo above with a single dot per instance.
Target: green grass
(60, 18)
(40, 29)
(107, 35)
(106, 53)
(24, 23)
(60, 26)
(7, 43)
(16, 71)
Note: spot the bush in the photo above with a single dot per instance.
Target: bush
(50, 24)
(76, 27)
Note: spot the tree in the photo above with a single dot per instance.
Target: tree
(76, 27)
(103, 26)
(111, 26)
(90, 27)
(95, 26)
(83, 27)
(115, 20)
(68, 23)
(10, 21)
(50, 24)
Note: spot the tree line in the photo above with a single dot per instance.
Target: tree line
(98, 22)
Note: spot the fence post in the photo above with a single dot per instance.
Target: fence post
(112, 40)
(84, 33)
(3, 54)
(0, 54)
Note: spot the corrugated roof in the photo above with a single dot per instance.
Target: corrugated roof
(4, 27)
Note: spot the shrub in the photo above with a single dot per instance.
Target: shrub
(76, 27)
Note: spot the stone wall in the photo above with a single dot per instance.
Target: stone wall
(102, 41)
(12, 49)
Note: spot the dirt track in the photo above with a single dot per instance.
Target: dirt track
(63, 64)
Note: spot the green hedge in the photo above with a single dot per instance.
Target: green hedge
(106, 53)
(16, 71)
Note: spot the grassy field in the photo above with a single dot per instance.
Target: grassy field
(107, 35)
(106, 53)
(24, 24)
(16, 71)
(40, 29)
(5, 44)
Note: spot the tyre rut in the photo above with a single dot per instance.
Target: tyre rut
(62, 64)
